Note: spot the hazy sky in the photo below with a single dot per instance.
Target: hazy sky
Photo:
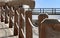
(47, 4)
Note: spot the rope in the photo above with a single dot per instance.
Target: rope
(31, 23)
(3, 9)
(34, 28)
(23, 17)
(12, 9)
(7, 7)
(17, 12)
(17, 25)
(23, 32)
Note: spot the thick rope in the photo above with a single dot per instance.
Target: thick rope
(31, 23)
(34, 28)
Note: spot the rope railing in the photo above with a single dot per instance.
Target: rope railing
(18, 27)
(18, 17)
(29, 22)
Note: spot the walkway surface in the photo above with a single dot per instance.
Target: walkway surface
(6, 32)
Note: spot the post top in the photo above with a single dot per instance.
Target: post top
(50, 21)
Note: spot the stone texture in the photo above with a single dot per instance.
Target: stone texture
(50, 33)
(6, 32)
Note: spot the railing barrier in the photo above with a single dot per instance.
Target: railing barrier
(21, 21)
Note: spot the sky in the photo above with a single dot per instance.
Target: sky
(47, 4)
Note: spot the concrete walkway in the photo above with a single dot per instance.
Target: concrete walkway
(6, 32)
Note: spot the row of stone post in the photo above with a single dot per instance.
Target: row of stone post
(18, 22)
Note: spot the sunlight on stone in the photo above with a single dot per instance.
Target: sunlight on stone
(6, 0)
(26, 7)
(59, 20)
